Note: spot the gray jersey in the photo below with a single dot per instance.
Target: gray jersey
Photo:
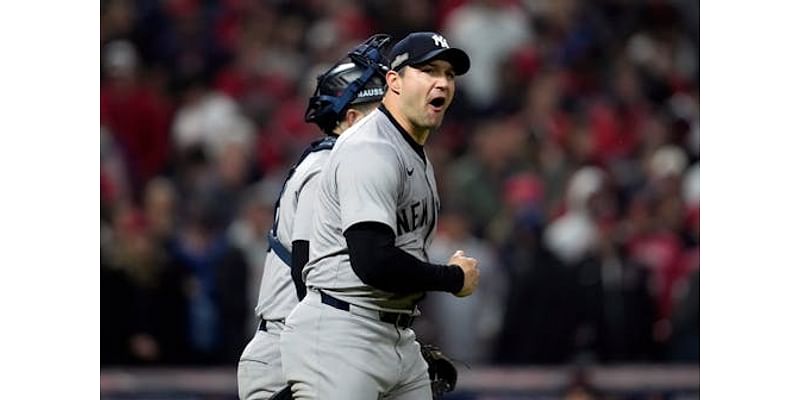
(277, 296)
(373, 175)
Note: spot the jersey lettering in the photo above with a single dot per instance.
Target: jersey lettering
(424, 216)
(402, 222)
(412, 217)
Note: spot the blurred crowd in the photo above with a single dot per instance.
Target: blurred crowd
(569, 165)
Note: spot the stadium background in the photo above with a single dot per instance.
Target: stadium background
(569, 165)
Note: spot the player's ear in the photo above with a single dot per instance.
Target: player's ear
(393, 81)
(352, 116)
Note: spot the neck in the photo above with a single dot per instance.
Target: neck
(420, 135)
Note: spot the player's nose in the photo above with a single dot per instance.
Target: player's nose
(441, 82)
(441, 88)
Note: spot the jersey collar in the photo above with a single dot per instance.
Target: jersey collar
(414, 145)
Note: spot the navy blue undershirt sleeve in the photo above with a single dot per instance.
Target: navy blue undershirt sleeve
(379, 263)
(299, 260)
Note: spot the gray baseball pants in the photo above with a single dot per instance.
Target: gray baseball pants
(260, 372)
(329, 353)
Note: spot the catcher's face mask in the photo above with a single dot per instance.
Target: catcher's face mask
(358, 78)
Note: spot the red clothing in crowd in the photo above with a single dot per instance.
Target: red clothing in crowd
(139, 121)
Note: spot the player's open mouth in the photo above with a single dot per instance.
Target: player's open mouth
(437, 103)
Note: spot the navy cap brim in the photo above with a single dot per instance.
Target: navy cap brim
(456, 57)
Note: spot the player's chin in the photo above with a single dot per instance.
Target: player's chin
(434, 118)
(433, 122)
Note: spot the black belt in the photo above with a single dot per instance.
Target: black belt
(262, 326)
(400, 319)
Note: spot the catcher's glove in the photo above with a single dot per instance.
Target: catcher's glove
(441, 370)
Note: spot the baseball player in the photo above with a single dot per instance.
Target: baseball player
(376, 211)
(349, 90)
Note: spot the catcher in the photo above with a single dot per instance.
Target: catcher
(348, 91)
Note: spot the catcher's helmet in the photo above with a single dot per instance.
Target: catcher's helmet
(358, 78)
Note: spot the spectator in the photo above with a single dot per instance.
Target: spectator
(474, 181)
(541, 312)
(135, 114)
(210, 120)
(144, 307)
(216, 290)
(467, 330)
(248, 233)
(574, 235)
(488, 30)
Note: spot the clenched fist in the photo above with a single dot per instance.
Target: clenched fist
(471, 273)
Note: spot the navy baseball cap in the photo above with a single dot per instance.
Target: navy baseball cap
(420, 47)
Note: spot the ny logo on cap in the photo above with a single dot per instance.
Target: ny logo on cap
(440, 41)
